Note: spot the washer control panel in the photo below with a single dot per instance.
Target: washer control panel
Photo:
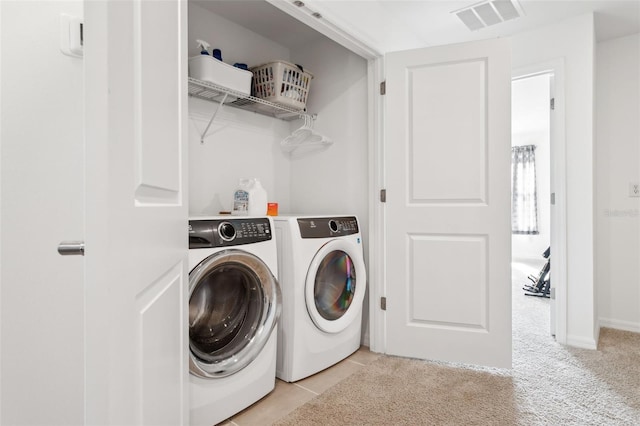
(209, 233)
(326, 227)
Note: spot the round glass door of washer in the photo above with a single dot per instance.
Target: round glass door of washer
(234, 304)
(335, 285)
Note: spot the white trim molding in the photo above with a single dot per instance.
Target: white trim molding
(377, 262)
(312, 14)
(620, 324)
(582, 342)
(559, 188)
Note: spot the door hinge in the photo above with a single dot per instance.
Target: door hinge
(71, 248)
(553, 104)
(383, 303)
(383, 195)
(553, 198)
(383, 88)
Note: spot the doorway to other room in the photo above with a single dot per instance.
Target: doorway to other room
(532, 101)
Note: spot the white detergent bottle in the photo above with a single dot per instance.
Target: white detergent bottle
(241, 198)
(257, 199)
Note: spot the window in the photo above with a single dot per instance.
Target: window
(524, 203)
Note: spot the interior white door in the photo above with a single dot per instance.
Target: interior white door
(447, 215)
(136, 221)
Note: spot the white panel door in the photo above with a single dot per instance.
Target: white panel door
(448, 234)
(136, 223)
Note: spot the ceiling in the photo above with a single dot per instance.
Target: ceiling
(391, 25)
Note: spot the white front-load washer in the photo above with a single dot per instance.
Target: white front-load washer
(323, 282)
(234, 306)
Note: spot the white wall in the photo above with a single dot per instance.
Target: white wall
(530, 126)
(618, 164)
(241, 144)
(237, 43)
(42, 204)
(572, 41)
(334, 179)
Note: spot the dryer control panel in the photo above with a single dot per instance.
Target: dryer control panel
(209, 233)
(326, 227)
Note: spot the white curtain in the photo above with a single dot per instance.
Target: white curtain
(524, 202)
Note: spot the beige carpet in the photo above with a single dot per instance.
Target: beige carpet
(549, 384)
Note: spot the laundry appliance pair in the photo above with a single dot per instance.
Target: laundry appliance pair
(268, 297)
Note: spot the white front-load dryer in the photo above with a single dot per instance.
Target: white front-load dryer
(323, 282)
(234, 306)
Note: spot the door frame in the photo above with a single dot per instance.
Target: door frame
(377, 236)
(558, 214)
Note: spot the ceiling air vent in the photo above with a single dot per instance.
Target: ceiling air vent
(489, 13)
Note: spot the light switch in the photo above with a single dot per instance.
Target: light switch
(634, 189)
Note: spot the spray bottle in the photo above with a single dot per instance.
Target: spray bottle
(204, 47)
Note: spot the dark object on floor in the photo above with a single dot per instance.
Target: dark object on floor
(542, 283)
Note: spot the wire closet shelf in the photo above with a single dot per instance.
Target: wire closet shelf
(213, 92)
(224, 96)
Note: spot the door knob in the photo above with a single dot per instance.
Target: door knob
(71, 248)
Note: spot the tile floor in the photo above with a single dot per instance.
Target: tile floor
(286, 397)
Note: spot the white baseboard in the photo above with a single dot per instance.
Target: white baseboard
(620, 325)
(364, 341)
(582, 342)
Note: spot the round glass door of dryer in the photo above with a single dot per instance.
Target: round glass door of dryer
(335, 285)
(234, 304)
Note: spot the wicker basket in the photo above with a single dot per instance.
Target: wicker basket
(282, 83)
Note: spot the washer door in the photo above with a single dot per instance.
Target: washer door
(234, 304)
(335, 285)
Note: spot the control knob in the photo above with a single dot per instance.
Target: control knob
(226, 231)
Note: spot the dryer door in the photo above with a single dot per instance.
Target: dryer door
(335, 285)
(234, 304)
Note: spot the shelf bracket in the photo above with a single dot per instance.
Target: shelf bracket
(204, 134)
